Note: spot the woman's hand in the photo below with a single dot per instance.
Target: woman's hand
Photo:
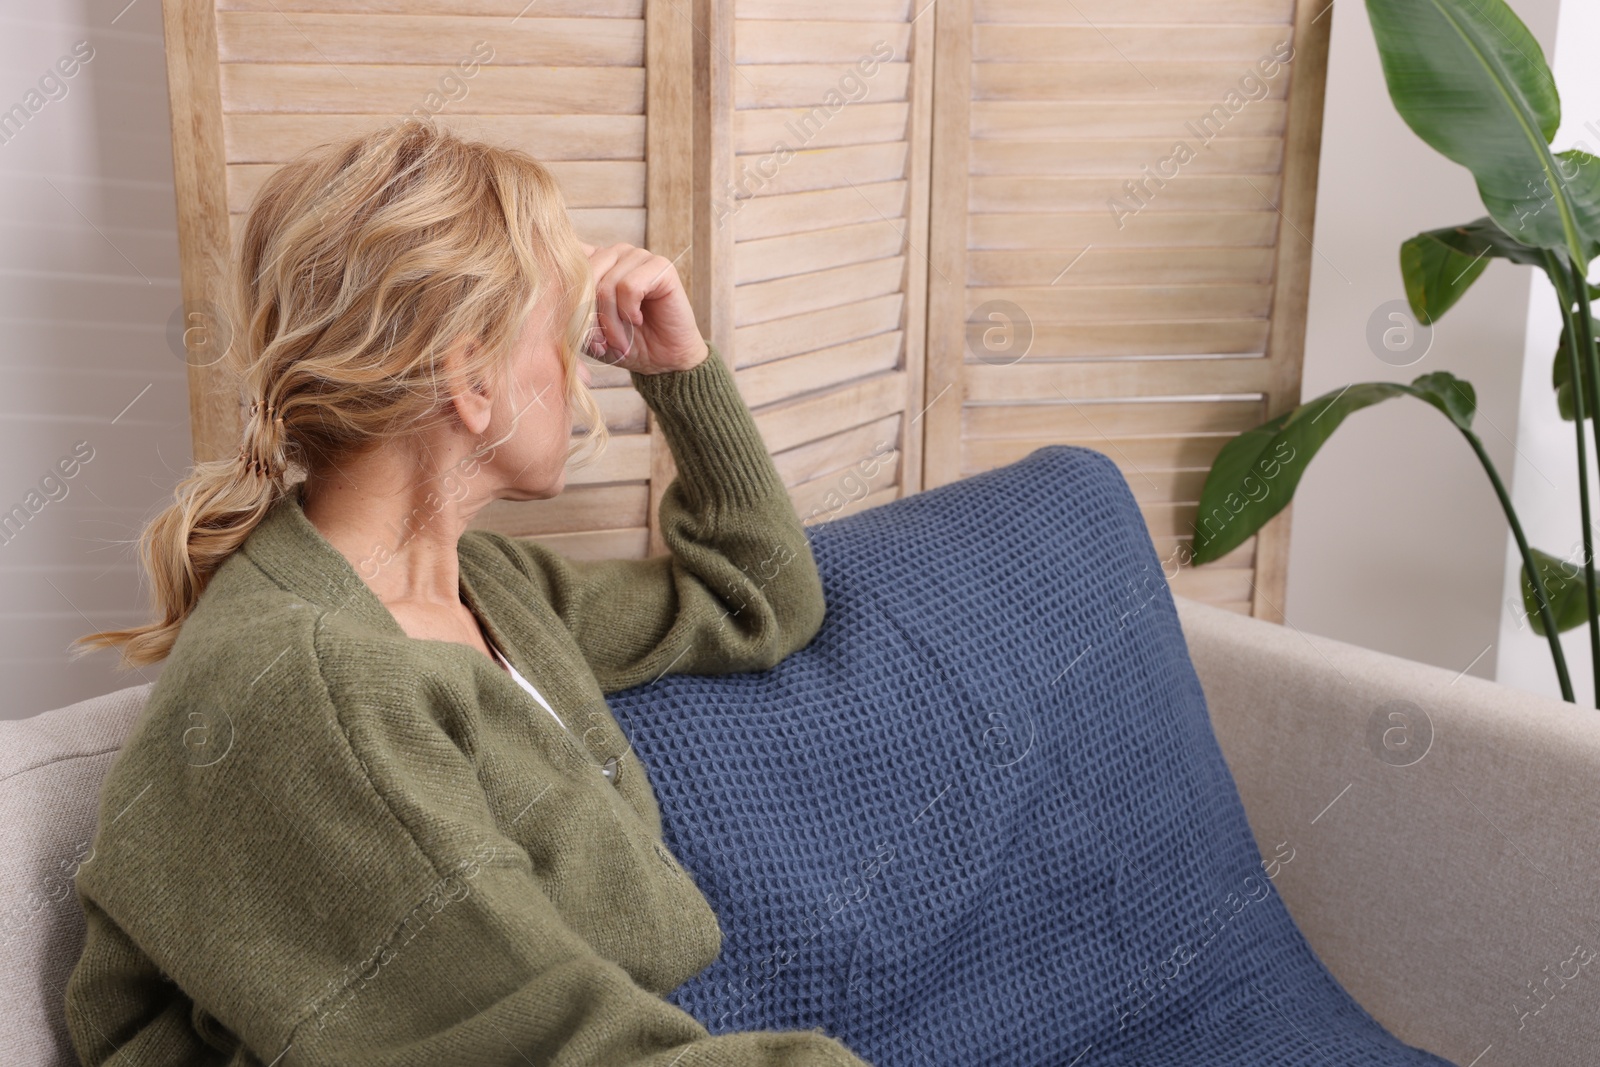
(645, 321)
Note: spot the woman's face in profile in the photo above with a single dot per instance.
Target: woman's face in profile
(532, 414)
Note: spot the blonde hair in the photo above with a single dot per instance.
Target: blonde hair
(361, 262)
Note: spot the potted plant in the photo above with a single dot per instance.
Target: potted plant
(1471, 81)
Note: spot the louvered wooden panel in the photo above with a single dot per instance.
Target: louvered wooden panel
(837, 248)
(816, 160)
(567, 81)
(1165, 301)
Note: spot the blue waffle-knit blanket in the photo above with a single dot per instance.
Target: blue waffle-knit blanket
(982, 818)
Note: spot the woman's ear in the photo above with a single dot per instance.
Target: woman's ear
(473, 405)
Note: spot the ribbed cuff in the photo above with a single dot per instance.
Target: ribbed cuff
(718, 450)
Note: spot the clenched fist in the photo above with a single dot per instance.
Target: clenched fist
(645, 323)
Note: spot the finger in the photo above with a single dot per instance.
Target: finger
(611, 334)
(615, 333)
(613, 294)
(600, 352)
(594, 344)
(641, 277)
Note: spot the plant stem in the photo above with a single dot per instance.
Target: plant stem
(1528, 566)
(1583, 341)
(1558, 278)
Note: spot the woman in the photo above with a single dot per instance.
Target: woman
(376, 810)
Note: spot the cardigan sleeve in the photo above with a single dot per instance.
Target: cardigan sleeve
(739, 589)
(343, 897)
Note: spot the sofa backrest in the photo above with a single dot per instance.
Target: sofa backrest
(51, 767)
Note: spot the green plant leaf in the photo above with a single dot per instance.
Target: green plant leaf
(1436, 274)
(1440, 265)
(1456, 398)
(1471, 81)
(1255, 475)
(1564, 585)
(1561, 379)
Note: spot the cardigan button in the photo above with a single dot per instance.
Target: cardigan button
(610, 770)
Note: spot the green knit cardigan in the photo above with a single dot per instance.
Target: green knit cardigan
(329, 843)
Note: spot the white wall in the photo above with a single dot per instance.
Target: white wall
(1397, 541)
(88, 279)
(1545, 490)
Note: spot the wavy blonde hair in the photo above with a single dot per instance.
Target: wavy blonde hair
(360, 263)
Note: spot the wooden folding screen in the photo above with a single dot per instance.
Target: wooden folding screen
(842, 221)
(814, 154)
(1110, 288)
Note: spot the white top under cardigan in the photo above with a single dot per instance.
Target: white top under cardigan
(528, 686)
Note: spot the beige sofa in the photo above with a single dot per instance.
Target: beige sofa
(1435, 834)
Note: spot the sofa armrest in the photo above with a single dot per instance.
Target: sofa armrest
(1445, 834)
